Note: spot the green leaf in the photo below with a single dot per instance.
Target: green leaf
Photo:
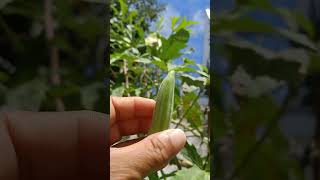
(305, 23)
(238, 56)
(203, 74)
(115, 57)
(192, 110)
(298, 38)
(203, 68)
(171, 47)
(174, 21)
(118, 91)
(184, 69)
(190, 23)
(132, 15)
(183, 24)
(196, 81)
(27, 96)
(138, 91)
(124, 8)
(153, 176)
(191, 154)
(182, 35)
(193, 173)
(159, 63)
(188, 61)
(90, 95)
(143, 60)
(126, 39)
(296, 20)
(159, 24)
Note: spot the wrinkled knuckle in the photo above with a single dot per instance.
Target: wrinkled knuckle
(158, 151)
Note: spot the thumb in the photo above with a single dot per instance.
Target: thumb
(151, 154)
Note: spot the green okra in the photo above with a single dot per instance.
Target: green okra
(162, 113)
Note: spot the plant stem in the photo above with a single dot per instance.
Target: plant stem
(189, 108)
(197, 133)
(126, 75)
(54, 53)
(158, 80)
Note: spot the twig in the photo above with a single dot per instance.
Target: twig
(126, 75)
(189, 108)
(54, 53)
(168, 175)
(144, 80)
(114, 74)
(196, 132)
(158, 80)
(143, 74)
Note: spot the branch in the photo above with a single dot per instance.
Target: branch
(126, 75)
(187, 111)
(54, 53)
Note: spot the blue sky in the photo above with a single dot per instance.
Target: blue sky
(193, 10)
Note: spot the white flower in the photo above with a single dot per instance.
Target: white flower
(153, 40)
(245, 85)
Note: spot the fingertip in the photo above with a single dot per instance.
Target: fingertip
(177, 137)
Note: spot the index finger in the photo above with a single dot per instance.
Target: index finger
(129, 115)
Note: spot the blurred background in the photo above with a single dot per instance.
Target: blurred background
(52, 55)
(266, 89)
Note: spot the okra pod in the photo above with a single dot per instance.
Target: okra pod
(162, 113)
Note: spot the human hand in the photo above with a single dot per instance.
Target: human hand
(135, 160)
(53, 145)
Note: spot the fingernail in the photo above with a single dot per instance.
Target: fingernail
(177, 138)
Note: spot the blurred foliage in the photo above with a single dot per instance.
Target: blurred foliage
(139, 60)
(149, 10)
(248, 142)
(25, 71)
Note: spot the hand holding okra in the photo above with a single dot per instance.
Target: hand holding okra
(134, 115)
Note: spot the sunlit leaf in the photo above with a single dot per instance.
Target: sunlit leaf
(118, 91)
(193, 173)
